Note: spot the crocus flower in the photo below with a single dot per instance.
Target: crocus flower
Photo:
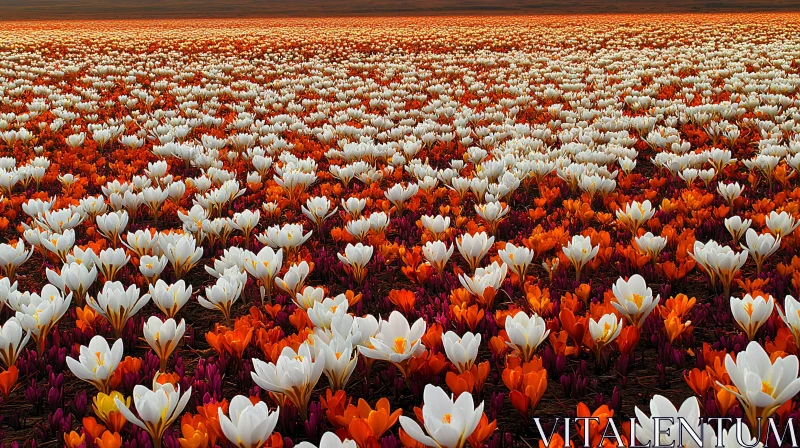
(751, 312)
(671, 431)
(163, 337)
(493, 213)
(526, 333)
(111, 261)
(329, 440)
(12, 340)
(249, 425)
(781, 224)
(322, 313)
(461, 351)
(485, 278)
(152, 267)
(448, 422)
(158, 408)
(356, 258)
(730, 192)
(318, 209)
(436, 225)
(39, 313)
(517, 258)
(223, 294)
(604, 331)
(264, 266)
(437, 254)
(289, 237)
(170, 298)
(340, 357)
(474, 247)
(294, 278)
(580, 251)
(117, 304)
(634, 299)
(97, 362)
(111, 225)
(791, 317)
(762, 385)
(720, 262)
(294, 375)
(635, 214)
(183, 254)
(650, 245)
(309, 297)
(761, 247)
(78, 278)
(12, 256)
(396, 341)
(737, 227)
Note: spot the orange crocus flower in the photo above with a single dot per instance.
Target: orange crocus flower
(471, 316)
(366, 425)
(556, 442)
(193, 429)
(460, 382)
(675, 327)
(8, 380)
(73, 439)
(403, 299)
(698, 380)
(335, 405)
(209, 412)
(482, 432)
(92, 427)
(109, 440)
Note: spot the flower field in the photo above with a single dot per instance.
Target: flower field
(399, 232)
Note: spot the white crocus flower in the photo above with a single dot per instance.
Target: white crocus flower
(737, 227)
(264, 267)
(781, 224)
(634, 299)
(357, 257)
(249, 425)
(580, 251)
(791, 317)
(396, 341)
(12, 340)
(517, 258)
(461, 351)
(223, 294)
(448, 422)
(39, 313)
(170, 298)
(437, 254)
(751, 312)
(294, 278)
(12, 256)
(163, 337)
(97, 362)
(294, 375)
(762, 386)
(474, 247)
(158, 408)
(761, 247)
(329, 440)
(672, 424)
(117, 304)
(526, 333)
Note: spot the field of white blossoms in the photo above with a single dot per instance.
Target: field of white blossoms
(385, 233)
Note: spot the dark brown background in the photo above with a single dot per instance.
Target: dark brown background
(151, 9)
